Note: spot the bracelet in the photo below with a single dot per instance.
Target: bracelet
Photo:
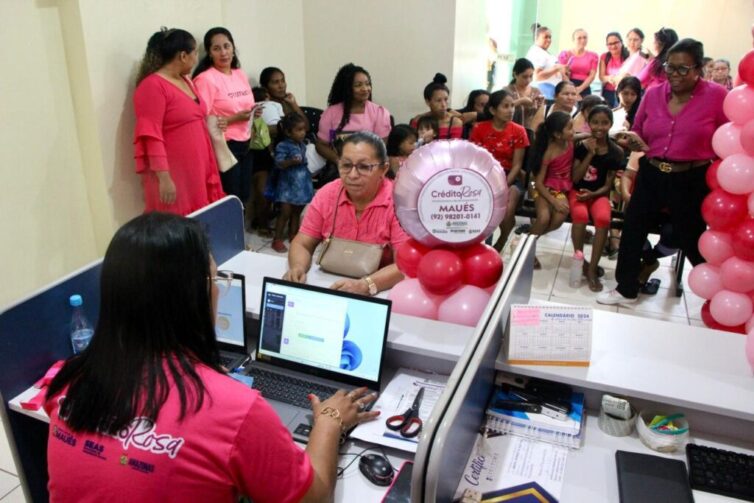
(335, 414)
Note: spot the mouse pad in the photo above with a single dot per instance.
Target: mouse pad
(643, 478)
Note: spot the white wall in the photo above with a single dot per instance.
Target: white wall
(470, 50)
(401, 43)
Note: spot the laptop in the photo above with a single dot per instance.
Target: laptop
(230, 324)
(316, 340)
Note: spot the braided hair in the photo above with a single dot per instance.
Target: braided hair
(162, 47)
(341, 91)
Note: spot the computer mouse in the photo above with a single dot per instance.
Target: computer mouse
(376, 469)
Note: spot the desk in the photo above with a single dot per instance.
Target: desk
(661, 365)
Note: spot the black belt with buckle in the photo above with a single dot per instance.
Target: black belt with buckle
(677, 167)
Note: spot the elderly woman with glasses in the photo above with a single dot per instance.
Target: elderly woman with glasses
(359, 207)
(673, 127)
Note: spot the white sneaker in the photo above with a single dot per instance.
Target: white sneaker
(614, 297)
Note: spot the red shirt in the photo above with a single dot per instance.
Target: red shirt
(501, 144)
(377, 223)
(688, 135)
(235, 444)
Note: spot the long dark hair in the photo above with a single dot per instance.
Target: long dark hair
(162, 47)
(398, 135)
(520, 66)
(612, 147)
(667, 37)
(623, 49)
(206, 62)
(495, 99)
(266, 74)
(156, 322)
(341, 91)
(553, 124)
(473, 95)
(634, 84)
(287, 123)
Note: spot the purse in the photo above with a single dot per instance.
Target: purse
(346, 257)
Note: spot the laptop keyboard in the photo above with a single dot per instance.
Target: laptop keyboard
(287, 389)
(227, 361)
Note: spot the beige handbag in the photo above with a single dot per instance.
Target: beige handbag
(346, 257)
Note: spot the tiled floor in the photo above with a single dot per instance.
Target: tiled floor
(554, 251)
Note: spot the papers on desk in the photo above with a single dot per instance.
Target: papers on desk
(397, 397)
(510, 468)
(549, 335)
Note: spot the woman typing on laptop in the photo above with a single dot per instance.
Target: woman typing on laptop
(146, 413)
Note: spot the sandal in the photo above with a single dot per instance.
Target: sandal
(585, 269)
(595, 285)
(651, 287)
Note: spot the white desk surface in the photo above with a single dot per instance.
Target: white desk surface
(407, 333)
(663, 362)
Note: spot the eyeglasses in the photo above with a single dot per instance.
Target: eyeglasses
(345, 167)
(682, 70)
(223, 280)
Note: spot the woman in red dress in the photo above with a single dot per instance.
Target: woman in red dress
(172, 147)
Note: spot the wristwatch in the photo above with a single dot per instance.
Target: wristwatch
(371, 284)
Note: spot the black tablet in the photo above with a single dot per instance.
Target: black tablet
(644, 478)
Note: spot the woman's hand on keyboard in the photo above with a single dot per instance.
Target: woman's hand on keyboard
(350, 405)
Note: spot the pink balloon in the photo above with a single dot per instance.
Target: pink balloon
(736, 173)
(727, 140)
(464, 306)
(747, 138)
(410, 298)
(426, 165)
(731, 308)
(750, 204)
(704, 280)
(739, 105)
(737, 275)
(750, 325)
(715, 246)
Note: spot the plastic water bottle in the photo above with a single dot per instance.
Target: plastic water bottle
(577, 264)
(81, 329)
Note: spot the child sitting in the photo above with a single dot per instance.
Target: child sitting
(428, 129)
(401, 142)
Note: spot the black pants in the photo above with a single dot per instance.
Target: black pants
(682, 194)
(611, 98)
(237, 180)
(585, 92)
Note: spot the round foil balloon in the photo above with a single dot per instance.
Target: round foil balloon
(450, 193)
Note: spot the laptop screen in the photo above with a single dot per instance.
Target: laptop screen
(229, 323)
(322, 331)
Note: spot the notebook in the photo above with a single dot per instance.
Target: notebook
(230, 324)
(316, 340)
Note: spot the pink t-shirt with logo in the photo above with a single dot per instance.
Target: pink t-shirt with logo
(226, 95)
(581, 66)
(234, 445)
(375, 119)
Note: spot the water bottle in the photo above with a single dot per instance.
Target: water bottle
(81, 329)
(577, 264)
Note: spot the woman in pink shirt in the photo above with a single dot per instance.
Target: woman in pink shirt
(581, 64)
(350, 109)
(147, 413)
(674, 128)
(653, 75)
(610, 65)
(225, 89)
(359, 206)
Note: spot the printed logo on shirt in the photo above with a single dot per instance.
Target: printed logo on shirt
(237, 94)
(140, 433)
(140, 466)
(591, 174)
(64, 436)
(93, 448)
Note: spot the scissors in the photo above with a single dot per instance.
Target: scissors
(408, 424)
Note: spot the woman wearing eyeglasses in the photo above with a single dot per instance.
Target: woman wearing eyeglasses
(610, 66)
(674, 128)
(146, 413)
(363, 199)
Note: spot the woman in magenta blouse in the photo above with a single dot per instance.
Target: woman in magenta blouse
(610, 66)
(653, 74)
(674, 128)
(580, 63)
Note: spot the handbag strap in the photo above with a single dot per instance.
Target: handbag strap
(335, 213)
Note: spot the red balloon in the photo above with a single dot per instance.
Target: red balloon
(711, 175)
(746, 68)
(408, 255)
(724, 211)
(743, 240)
(482, 265)
(710, 322)
(440, 271)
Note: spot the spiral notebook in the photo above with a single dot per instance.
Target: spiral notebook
(549, 335)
